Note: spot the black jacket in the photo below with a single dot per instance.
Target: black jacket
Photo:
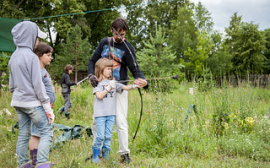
(126, 61)
(65, 83)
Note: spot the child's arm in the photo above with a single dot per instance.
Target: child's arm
(129, 87)
(101, 94)
(67, 79)
(11, 84)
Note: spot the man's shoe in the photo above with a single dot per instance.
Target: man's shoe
(125, 158)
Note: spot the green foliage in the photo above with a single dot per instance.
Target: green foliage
(74, 52)
(219, 60)
(4, 72)
(203, 19)
(249, 48)
(267, 52)
(157, 60)
(143, 20)
(246, 44)
(232, 30)
(199, 55)
(23, 9)
(64, 25)
(183, 32)
(206, 81)
(165, 138)
(100, 22)
(233, 110)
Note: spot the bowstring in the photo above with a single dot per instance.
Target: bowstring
(136, 73)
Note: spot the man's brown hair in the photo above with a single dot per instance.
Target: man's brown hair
(119, 24)
(100, 65)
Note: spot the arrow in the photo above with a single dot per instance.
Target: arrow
(172, 77)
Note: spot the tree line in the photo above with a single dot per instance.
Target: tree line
(170, 37)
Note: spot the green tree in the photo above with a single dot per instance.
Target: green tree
(64, 24)
(203, 18)
(100, 22)
(231, 31)
(73, 51)
(199, 55)
(183, 32)
(143, 19)
(267, 52)
(219, 60)
(158, 60)
(248, 49)
(24, 9)
(43, 8)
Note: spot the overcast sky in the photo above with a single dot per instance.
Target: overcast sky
(221, 11)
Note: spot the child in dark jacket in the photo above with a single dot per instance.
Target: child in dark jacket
(65, 84)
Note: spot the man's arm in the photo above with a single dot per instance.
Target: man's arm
(135, 70)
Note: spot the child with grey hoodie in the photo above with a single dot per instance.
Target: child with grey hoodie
(29, 96)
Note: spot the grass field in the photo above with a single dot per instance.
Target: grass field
(230, 128)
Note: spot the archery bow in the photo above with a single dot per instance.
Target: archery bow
(136, 71)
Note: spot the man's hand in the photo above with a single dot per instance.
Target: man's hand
(93, 80)
(140, 82)
(50, 117)
(111, 86)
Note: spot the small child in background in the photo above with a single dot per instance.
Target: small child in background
(104, 106)
(65, 84)
(44, 53)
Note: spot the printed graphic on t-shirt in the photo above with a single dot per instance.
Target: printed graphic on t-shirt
(117, 55)
(110, 93)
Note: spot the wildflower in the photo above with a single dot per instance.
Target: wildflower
(249, 120)
(225, 125)
(241, 122)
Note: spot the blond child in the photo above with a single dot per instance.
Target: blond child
(104, 106)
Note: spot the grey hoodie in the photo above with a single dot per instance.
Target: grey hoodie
(25, 80)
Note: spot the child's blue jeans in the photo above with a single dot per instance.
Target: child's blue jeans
(39, 118)
(104, 126)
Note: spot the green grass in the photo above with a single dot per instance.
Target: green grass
(220, 134)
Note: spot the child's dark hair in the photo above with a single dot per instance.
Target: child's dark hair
(43, 48)
(67, 68)
(100, 65)
(119, 24)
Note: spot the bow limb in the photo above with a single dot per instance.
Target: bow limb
(135, 64)
(140, 114)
